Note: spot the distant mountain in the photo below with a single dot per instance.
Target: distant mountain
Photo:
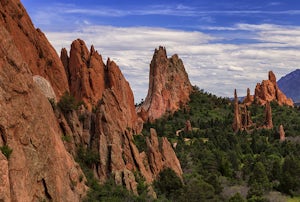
(290, 85)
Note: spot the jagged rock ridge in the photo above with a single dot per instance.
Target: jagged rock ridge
(33, 45)
(41, 166)
(169, 86)
(104, 88)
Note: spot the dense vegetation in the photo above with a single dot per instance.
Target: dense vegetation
(218, 164)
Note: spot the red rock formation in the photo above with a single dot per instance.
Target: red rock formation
(116, 120)
(249, 98)
(33, 45)
(39, 167)
(268, 91)
(169, 85)
(281, 133)
(237, 124)
(85, 70)
(242, 119)
(268, 116)
(4, 179)
(118, 154)
(161, 156)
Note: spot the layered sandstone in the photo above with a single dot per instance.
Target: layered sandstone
(169, 86)
(33, 45)
(39, 167)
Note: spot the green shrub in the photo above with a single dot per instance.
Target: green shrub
(6, 151)
(66, 138)
(168, 183)
(68, 103)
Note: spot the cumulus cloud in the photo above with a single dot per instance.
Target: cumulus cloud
(212, 63)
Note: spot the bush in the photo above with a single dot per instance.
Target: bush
(168, 183)
(6, 151)
(68, 103)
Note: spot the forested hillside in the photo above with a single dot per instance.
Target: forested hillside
(220, 165)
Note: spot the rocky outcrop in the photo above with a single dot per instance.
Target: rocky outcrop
(268, 91)
(109, 94)
(39, 167)
(118, 154)
(33, 45)
(281, 133)
(162, 155)
(86, 73)
(169, 86)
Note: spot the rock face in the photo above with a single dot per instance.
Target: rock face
(169, 86)
(33, 46)
(104, 88)
(86, 73)
(39, 167)
(89, 77)
(268, 91)
(161, 155)
(42, 139)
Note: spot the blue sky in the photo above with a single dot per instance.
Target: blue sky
(224, 44)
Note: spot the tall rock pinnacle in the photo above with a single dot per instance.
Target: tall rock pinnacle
(236, 126)
(169, 86)
(85, 70)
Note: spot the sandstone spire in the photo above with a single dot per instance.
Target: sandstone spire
(268, 116)
(237, 125)
(86, 73)
(281, 133)
(169, 85)
(249, 98)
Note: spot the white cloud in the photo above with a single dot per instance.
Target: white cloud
(211, 64)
